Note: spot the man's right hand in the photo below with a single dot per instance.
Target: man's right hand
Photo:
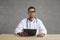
(22, 34)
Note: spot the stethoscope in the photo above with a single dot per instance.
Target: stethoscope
(35, 21)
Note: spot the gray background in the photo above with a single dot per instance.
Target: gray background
(13, 11)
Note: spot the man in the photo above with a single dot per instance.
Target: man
(31, 23)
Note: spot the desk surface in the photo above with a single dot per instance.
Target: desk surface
(15, 37)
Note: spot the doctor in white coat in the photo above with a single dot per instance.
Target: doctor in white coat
(31, 23)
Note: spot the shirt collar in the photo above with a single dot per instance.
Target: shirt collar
(32, 20)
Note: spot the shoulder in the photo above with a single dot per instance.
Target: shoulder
(39, 20)
(24, 20)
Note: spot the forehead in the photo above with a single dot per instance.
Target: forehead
(31, 9)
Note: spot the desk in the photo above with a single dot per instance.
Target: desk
(15, 37)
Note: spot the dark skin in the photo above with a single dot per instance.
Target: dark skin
(31, 15)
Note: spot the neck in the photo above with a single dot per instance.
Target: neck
(30, 19)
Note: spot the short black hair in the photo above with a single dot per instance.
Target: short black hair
(31, 7)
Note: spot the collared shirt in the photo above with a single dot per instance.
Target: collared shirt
(35, 24)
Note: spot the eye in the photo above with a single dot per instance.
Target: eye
(31, 11)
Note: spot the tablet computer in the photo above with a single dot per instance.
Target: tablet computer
(31, 32)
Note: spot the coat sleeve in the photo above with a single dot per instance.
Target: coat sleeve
(41, 28)
(19, 28)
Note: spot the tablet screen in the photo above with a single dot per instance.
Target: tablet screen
(31, 32)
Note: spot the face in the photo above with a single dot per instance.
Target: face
(31, 13)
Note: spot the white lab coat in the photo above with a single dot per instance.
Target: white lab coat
(35, 24)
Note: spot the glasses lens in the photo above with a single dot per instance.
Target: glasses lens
(32, 11)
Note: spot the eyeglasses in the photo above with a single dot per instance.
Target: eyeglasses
(31, 11)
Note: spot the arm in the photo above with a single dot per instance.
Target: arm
(19, 29)
(42, 29)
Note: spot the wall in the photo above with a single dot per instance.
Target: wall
(13, 11)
